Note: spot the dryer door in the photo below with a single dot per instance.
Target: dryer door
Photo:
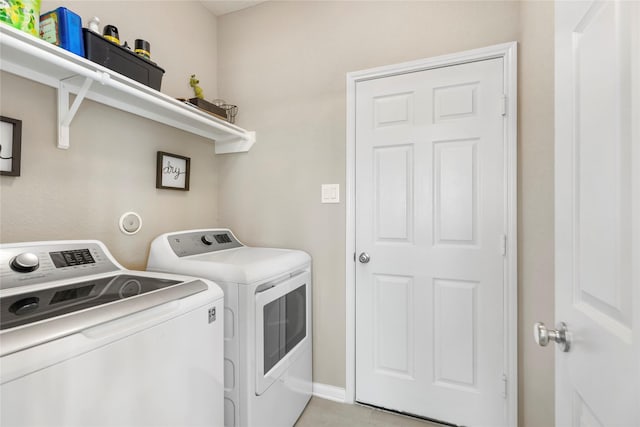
(282, 327)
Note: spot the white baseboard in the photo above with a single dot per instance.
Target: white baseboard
(329, 392)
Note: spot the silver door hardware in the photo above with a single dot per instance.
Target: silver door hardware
(503, 105)
(364, 258)
(542, 335)
(504, 383)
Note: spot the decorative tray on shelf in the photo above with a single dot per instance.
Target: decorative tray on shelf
(207, 107)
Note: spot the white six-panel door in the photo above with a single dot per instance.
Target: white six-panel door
(598, 212)
(430, 216)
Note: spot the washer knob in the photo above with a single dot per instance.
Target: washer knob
(207, 240)
(25, 262)
(24, 306)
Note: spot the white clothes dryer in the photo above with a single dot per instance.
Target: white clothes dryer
(267, 319)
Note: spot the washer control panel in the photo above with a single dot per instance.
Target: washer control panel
(202, 241)
(32, 264)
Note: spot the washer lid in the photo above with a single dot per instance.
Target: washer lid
(34, 306)
(246, 265)
(38, 328)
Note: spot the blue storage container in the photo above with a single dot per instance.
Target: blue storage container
(63, 28)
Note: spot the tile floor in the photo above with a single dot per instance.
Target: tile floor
(325, 413)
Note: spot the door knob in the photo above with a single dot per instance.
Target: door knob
(364, 258)
(542, 335)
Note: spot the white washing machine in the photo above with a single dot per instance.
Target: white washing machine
(267, 350)
(84, 342)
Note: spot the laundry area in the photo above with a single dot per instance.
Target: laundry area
(319, 213)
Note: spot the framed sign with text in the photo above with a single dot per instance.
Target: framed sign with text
(172, 171)
(10, 146)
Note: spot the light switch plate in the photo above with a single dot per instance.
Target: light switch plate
(330, 193)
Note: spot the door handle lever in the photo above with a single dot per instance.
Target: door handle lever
(542, 335)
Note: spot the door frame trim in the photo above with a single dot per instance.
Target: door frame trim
(507, 51)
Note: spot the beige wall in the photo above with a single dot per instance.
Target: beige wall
(284, 64)
(182, 35)
(535, 206)
(110, 168)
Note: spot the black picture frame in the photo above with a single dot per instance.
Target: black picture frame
(172, 171)
(10, 159)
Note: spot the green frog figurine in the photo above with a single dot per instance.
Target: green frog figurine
(193, 82)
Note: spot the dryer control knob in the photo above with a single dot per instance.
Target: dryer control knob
(207, 240)
(25, 262)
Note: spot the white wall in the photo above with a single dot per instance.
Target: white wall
(284, 64)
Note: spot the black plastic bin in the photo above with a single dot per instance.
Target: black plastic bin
(122, 60)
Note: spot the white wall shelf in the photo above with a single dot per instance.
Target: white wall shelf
(37, 60)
